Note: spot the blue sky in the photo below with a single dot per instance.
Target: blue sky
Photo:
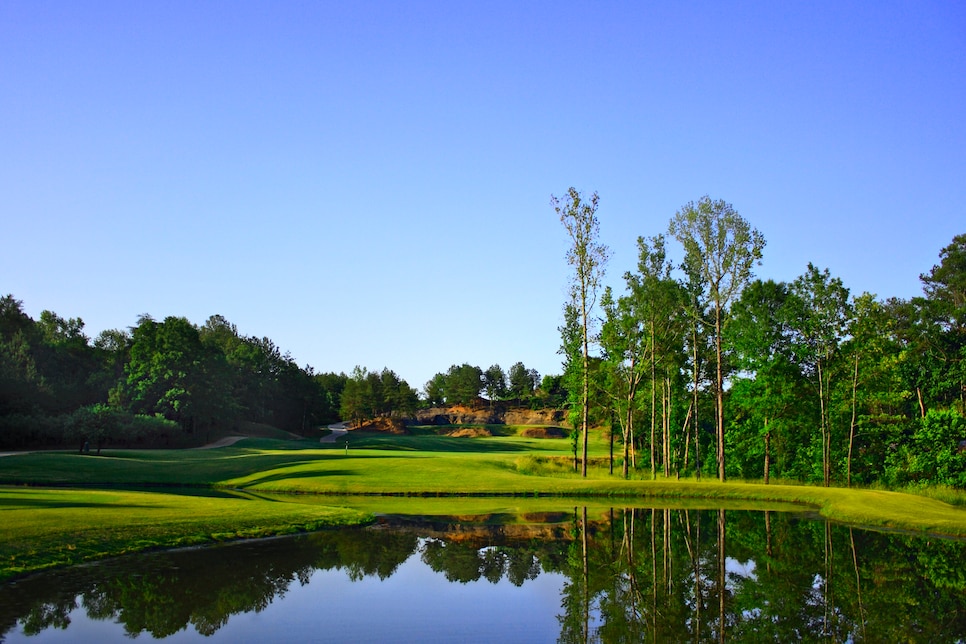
(369, 182)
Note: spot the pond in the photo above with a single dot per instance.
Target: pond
(580, 574)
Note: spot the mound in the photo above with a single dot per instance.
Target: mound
(383, 425)
(470, 432)
(544, 432)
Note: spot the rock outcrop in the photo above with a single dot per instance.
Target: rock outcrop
(499, 413)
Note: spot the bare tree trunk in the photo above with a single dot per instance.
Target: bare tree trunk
(823, 425)
(666, 427)
(694, 371)
(611, 435)
(719, 393)
(767, 450)
(628, 436)
(687, 441)
(586, 392)
(855, 386)
(653, 403)
(922, 407)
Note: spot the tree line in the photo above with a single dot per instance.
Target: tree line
(166, 382)
(172, 383)
(702, 368)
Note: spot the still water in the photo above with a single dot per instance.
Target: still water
(581, 575)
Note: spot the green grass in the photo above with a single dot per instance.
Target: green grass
(42, 528)
(303, 474)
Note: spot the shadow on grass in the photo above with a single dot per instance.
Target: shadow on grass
(21, 503)
(288, 476)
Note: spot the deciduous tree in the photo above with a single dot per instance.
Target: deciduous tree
(587, 255)
(723, 247)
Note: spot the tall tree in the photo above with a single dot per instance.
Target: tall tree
(574, 369)
(760, 341)
(723, 247)
(820, 325)
(624, 343)
(659, 301)
(587, 255)
(945, 308)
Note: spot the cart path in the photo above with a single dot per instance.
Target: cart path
(339, 430)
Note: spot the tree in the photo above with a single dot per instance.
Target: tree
(356, 396)
(641, 335)
(587, 255)
(722, 246)
(523, 381)
(171, 372)
(494, 382)
(623, 342)
(944, 311)
(434, 390)
(462, 384)
(574, 370)
(820, 325)
(761, 344)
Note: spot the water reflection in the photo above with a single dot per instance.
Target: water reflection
(624, 575)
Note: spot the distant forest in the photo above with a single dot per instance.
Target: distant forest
(172, 383)
(817, 385)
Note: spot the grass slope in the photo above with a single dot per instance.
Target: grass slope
(77, 525)
(42, 528)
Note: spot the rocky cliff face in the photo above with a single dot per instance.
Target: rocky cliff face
(498, 414)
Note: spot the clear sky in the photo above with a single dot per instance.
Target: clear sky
(369, 182)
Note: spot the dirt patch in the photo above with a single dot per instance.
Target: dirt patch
(544, 432)
(470, 432)
(382, 425)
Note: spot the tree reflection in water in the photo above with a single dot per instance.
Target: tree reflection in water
(643, 575)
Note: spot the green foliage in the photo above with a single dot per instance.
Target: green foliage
(367, 395)
(721, 249)
(462, 384)
(494, 382)
(588, 256)
(937, 454)
(523, 381)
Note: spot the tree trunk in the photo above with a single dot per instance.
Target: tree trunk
(697, 450)
(611, 435)
(719, 393)
(823, 425)
(687, 442)
(629, 423)
(767, 451)
(628, 436)
(653, 403)
(586, 392)
(855, 386)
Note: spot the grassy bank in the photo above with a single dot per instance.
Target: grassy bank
(286, 481)
(42, 528)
